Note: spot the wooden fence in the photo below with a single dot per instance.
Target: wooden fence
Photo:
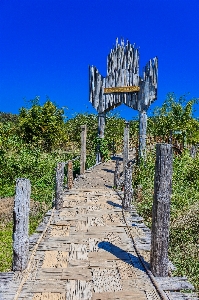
(116, 147)
(161, 204)
(22, 204)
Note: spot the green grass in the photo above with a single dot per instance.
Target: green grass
(6, 247)
(6, 241)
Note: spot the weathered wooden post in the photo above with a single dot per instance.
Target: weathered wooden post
(126, 145)
(170, 137)
(113, 147)
(70, 174)
(21, 224)
(83, 150)
(101, 128)
(142, 134)
(101, 124)
(59, 189)
(128, 190)
(193, 151)
(117, 174)
(161, 210)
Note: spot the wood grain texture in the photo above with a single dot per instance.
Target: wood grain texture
(142, 134)
(21, 224)
(126, 145)
(59, 181)
(83, 150)
(117, 174)
(101, 124)
(161, 210)
(70, 174)
(128, 190)
(123, 71)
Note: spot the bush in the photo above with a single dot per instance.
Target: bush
(42, 125)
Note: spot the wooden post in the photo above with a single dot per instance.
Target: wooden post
(126, 146)
(193, 151)
(101, 128)
(59, 185)
(113, 147)
(70, 174)
(142, 134)
(117, 174)
(83, 150)
(101, 124)
(128, 190)
(161, 210)
(170, 137)
(21, 224)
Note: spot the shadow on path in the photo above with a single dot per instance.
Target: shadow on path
(108, 170)
(108, 186)
(116, 157)
(128, 258)
(114, 204)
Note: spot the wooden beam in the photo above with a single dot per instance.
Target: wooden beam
(121, 89)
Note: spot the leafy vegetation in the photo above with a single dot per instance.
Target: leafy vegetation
(175, 115)
(32, 143)
(42, 125)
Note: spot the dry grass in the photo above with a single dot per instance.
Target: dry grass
(7, 206)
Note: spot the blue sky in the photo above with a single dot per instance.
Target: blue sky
(46, 47)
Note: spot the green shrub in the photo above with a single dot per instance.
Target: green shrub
(42, 125)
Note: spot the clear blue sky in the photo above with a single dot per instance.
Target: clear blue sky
(47, 45)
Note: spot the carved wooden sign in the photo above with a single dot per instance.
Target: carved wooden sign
(123, 84)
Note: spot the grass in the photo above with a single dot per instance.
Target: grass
(6, 247)
(6, 231)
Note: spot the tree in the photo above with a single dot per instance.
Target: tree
(42, 125)
(175, 115)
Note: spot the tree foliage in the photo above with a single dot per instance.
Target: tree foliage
(42, 125)
(175, 115)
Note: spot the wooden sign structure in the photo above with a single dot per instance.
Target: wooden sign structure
(124, 85)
